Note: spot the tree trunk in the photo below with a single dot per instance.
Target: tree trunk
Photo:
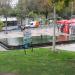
(46, 14)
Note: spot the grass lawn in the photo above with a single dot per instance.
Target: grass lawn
(40, 62)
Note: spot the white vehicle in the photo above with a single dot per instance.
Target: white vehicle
(32, 24)
(11, 23)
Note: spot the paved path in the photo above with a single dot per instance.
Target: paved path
(68, 47)
(34, 32)
(37, 32)
(2, 49)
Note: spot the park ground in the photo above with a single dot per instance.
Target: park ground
(42, 61)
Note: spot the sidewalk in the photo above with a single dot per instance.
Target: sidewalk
(68, 47)
(2, 49)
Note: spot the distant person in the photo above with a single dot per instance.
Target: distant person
(62, 27)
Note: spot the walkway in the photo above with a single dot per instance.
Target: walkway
(2, 49)
(68, 47)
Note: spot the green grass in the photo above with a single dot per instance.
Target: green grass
(41, 61)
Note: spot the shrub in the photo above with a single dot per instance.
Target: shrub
(1, 25)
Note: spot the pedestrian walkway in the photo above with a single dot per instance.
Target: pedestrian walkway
(2, 49)
(68, 47)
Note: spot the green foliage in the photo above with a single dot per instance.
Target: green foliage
(66, 2)
(5, 10)
(22, 9)
(1, 25)
(60, 5)
(32, 14)
(28, 7)
(55, 1)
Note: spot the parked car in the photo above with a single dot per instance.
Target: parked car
(33, 24)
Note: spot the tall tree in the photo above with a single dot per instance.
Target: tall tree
(41, 6)
(22, 8)
(62, 7)
(4, 7)
(44, 6)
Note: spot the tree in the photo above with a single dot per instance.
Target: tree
(4, 7)
(32, 14)
(22, 9)
(62, 7)
(44, 7)
(35, 6)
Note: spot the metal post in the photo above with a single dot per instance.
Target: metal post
(24, 43)
(54, 29)
(21, 24)
(6, 25)
(25, 51)
(71, 9)
(31, 47)
(21, 14)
